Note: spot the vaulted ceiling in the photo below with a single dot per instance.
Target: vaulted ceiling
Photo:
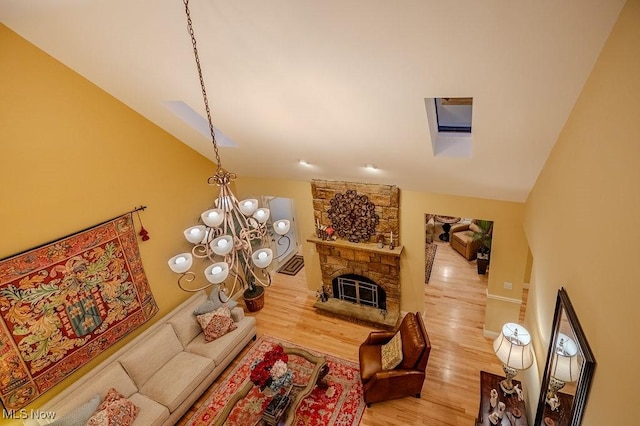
(341, 84)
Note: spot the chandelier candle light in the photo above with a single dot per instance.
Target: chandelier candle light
(234, 236)
(513, 348)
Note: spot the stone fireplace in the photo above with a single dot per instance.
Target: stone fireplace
(363, 280)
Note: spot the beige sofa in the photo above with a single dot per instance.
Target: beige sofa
(164, 370)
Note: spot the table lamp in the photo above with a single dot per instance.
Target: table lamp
(513, 348)
(565, 367)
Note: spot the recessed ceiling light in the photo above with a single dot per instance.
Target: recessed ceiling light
(303, 163)
(370, 167)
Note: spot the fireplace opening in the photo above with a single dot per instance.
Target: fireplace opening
(358, 289)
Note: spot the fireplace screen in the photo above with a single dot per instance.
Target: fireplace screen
(360, 290)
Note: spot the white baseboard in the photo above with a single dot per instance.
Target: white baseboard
(489, 334)
(503, 299)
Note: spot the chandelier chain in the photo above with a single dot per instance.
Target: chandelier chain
(204, 90)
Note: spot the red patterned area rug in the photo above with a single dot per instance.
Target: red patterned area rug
(340, 403)
(65, 302)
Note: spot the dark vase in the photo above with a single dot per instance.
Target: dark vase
(482, 261)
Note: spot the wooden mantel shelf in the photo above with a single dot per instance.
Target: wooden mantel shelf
(372, 247)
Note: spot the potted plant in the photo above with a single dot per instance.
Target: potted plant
(482, 233)
(253, 296)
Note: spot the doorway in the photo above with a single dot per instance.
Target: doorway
(283, 248)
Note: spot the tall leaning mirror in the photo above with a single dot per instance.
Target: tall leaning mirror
(568, 371)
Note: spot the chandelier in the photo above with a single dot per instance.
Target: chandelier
(233, 237)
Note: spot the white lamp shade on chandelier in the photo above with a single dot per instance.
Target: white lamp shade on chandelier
(248, 206)
(513, 346)
(281, 226)
(213, 217)
(196, 234)
(181, 263)
(222, 245)
(566, 365)
(262, 215)
(262, 258)
(217, 272)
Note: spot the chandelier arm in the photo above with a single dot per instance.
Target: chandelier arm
(189, 277)
(201, 251)
(260, 281)
(281, 243)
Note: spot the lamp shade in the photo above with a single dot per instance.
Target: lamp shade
(217, 272)
(513, 346)
(212, 217)
(262, 258)
(181, 263)
(248, 206)
(195, 234)
(262, 215)
(281, 226)
(566, 363)
(222, 245)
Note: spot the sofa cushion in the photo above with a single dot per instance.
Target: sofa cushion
(177, 378)
(112, 376)
(465, 237)
(151, 413)
(151, 354)
(220, 348)
(184, 322)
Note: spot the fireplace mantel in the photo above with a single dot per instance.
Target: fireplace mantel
(372, 247)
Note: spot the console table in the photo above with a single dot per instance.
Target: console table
(515, 413)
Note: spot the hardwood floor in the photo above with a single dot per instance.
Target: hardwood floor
(454, 315)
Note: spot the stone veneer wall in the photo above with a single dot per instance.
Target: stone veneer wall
(386, 198)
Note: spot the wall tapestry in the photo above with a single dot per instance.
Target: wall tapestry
(63, 303)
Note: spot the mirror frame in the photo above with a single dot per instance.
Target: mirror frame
(583, 384)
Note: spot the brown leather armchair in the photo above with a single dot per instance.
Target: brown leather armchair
(407, 378)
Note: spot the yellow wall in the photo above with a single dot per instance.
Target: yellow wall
(72, 156)
(581, 224)
(509, 254)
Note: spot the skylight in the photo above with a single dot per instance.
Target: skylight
(198, 122)
(449, 121)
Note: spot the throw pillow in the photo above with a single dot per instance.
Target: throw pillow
(392, 352)
(218, 327)
(115, 410)
(217, 294)
(214, 302)
(79, 416)
(206, 307)
(204, 319)
(474, 228)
